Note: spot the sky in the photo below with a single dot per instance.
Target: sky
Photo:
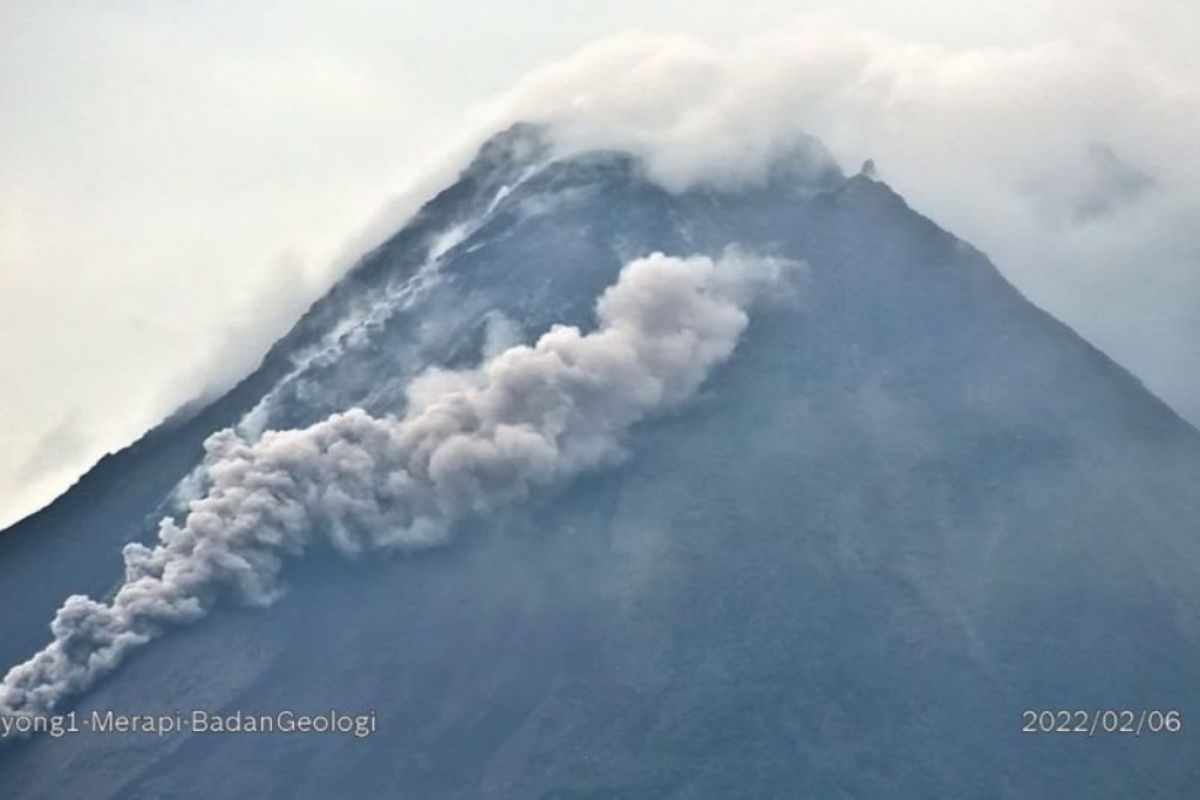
(179, 180)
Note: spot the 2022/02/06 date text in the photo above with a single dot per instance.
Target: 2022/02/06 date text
(1091, 722)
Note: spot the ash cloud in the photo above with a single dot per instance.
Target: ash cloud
(529, 418)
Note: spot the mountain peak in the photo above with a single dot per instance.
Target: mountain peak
(520, 144)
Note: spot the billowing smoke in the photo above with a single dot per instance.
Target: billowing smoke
(469, 442)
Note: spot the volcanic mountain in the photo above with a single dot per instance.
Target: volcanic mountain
(855, 508)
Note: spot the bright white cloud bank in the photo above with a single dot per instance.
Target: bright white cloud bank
(1075, 164)
(470, 442)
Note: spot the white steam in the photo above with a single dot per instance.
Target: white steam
(469, 442)
(1074, 163)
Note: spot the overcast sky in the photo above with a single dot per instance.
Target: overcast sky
(179, 179)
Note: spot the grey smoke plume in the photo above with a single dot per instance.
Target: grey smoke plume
(470, 441)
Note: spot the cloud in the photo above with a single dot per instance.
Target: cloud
(1074, 162)
(57, 447)
(469, 442)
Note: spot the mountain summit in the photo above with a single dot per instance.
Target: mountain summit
(818, 505)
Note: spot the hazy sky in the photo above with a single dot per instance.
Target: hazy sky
(180, 179)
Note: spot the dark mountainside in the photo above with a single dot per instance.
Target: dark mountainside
(911, 506)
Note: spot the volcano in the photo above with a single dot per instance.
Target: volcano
(905, 509)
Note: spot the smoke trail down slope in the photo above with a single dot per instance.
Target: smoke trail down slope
(469, 441)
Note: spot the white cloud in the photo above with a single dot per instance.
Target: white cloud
(1074, 163)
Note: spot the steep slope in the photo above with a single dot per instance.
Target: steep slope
(910, 507)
